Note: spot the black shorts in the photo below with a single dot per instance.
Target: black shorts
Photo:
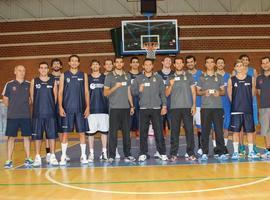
(239, 121)
(13, 126)
(72, 120)
(47, 125)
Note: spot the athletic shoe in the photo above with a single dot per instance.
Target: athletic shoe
(28, 162)
(266, 154)
(111, 160)
(191, 158)
(53, 160)
(48, 158)
(253, 155)
(242, 150)
(204, 157)
(129, 159)
(67, 158)
(200, 152)
(222, 157)
(63, 161)
(8, 164)
(142, 158)
(163, 157)
(256, 150)
(103, 156)
(91, 157)
(117, 155)
(235, 156)
(37, 162)
(226, 151)
(186, 155)
(156, 155)
(84, 160)
(173, 158)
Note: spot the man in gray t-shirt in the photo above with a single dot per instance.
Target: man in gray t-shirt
(211, 88)
(181, 87)
(117, 89)
(16, 97)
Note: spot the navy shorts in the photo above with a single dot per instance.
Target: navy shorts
(13, 126)
(239, 121)
(47, 125)
(72, 120)
(58, 121)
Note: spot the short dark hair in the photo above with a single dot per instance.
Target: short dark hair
(95, 61)
(74, 56)
(43, 63)
(148, 59)
(209, 57)
(133, 58)
(243, 56)
(265, 57)
(189, 57)
(237, 61)
(118, 57)
(108, 59)
(165, 58)
(220, 58)
(56, 60)
(178, 58)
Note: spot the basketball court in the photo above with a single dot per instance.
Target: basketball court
(128, 31)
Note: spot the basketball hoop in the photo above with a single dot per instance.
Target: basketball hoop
(150, 48)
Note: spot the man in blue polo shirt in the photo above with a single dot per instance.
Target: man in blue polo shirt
(16, 98)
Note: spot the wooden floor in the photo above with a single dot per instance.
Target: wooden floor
(210, 181)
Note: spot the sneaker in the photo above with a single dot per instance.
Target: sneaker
(253, 155)
(37, 162)
(111, 160)
(200, 152)
(173, 158)
(83, 160)
(235, 156)
(8, 164)
(156, 155)
(67, 158)
(256, 150)
(117, 155)
(242, 150)
(204, 157)
(226, 151)
(222, 157)
(163, 157)
(63, 161)
(28, 162)
(91, 157)
(129, 159)
(191, 158)
(103, 156)
(53, 160)
(186, 155)
(266, 154)
(48, 158)
(142, 158)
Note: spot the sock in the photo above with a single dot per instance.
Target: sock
(64, 149)
(83, 149)
(250, 148)
(47, 150)
(91, 151)
(214, 143)
(235, 147)
(199, 139)
(104, 150)
(116, 151)
(225, 141)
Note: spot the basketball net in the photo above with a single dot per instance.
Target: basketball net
(150, 48)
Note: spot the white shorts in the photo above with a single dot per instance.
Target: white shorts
(197, 117)
(98, 123)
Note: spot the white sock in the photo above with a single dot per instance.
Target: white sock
(83, 149)
(225, 141)
(250, 148)
(64, 149)
(91, 151)
(235, 147)
(116, 151)
(214, 143)
(104, 150)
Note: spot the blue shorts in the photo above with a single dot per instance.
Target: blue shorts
(239, 121)
(47, 125)
(13, 126)
(58, 121)
(72, 120)
(255, 111)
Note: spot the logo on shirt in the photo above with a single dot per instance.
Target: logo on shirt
(38, 86)
(235, 85)
(96, 85)
(247, 84)
(261, 82)
(80, 79)
(68, 80)
(14, 88)
(49, 86)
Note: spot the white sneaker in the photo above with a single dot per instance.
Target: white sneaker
(186, 155)
(103, 156)
(48, 158)
(129, 159)
(37, 162)
(84, 160)
(117, 155)
(142, 158)
(157, 155)
(67, 158)
(200, 152)
(63, 161)
(91, 157)
(53, 160)
(163, 157)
